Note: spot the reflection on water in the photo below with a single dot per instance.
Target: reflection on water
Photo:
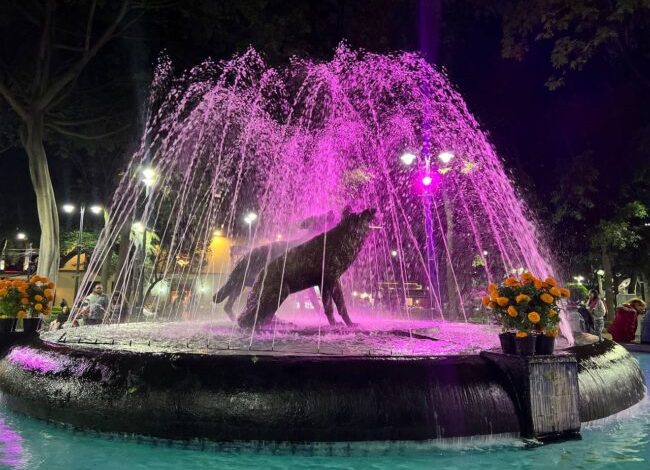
(621, 441)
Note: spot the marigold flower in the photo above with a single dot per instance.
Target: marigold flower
(22, 314)
(492, 287)
(555, 292)
(527, 278)
(38, 307)
(552, 313)
(492, 305)
(534, 317)
(503, 301)
(24, 301)
(538, 284)
(564, 292)
(485, 300)
(3, 292)
(512, 282)
(547, 298)
(521, 334)
(522, 298)
(551, 281)
(35, 279)
(50, 285)
(38, 298)
(552, 333)
(512, 311)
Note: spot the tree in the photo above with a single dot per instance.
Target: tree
(578, 31)
(47, 47)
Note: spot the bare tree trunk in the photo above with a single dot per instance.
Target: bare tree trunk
(48, 215)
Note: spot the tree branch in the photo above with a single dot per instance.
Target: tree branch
(13, 102)
(42, 59)
(89, 24)
(78, 135)
(68, 48)
(73, 72)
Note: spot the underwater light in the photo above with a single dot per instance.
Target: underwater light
(427, 180)
(250, 218)
(393, 253)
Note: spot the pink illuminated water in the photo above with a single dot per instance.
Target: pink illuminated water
(288, 143)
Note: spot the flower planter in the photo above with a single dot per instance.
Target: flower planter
(545, 344)
(7, 325)
(525, 346)
(508, 343)
(30, 325)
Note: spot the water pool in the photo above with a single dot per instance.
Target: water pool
(620, 441)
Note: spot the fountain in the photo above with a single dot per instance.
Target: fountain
(237, 156)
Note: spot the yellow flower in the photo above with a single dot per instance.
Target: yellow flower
(512, 311)
(533, 317)
(503, 301)
(38, 298)
(522, 298)
(546, 298)
(22, 314)
(35, 279)
(538, 284)
(485, 300)
(50, 285)
(24, 301)
(565, 292)
(492, 287)
(552, 313)
(3, 292)
(555, 292)
(48, 294)
(38, 307)
(551, 281)
(521, 334)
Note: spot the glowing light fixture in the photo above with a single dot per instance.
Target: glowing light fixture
(96, 209)
(21, 236)
(408, 158)
(427, 180)
(250, 218)
(149, 177)
(578, 279)
(445, 157)
(393, 253)
(67, 208)
(600, 272)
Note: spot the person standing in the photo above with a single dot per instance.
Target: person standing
(94, 306)
(596, 308)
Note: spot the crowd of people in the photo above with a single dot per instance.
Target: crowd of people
(625, 319)
(95, 309)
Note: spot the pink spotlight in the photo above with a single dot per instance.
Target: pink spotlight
(427, 180)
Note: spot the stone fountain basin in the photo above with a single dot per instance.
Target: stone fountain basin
(398, 381)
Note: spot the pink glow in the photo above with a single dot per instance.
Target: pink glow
(34, 360)
(314, 137)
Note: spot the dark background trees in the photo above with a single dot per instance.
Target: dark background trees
(561, 87)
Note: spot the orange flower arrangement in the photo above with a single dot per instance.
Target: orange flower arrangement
(526, 304)
(21, 298)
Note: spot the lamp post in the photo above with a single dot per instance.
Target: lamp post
(249, 219)
(149, 179)
(600, 273)
(70, 209)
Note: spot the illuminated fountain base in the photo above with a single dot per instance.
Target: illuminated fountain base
(396, 381)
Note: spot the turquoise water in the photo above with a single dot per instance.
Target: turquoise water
(617, 442)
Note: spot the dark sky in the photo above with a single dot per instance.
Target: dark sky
(536, 131)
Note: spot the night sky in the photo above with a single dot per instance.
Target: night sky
(536, 131)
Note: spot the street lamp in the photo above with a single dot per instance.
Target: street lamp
(578, 279)
(21, 236)
(408, 158)
(445, 157)
(69, 209)
(249, 219)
